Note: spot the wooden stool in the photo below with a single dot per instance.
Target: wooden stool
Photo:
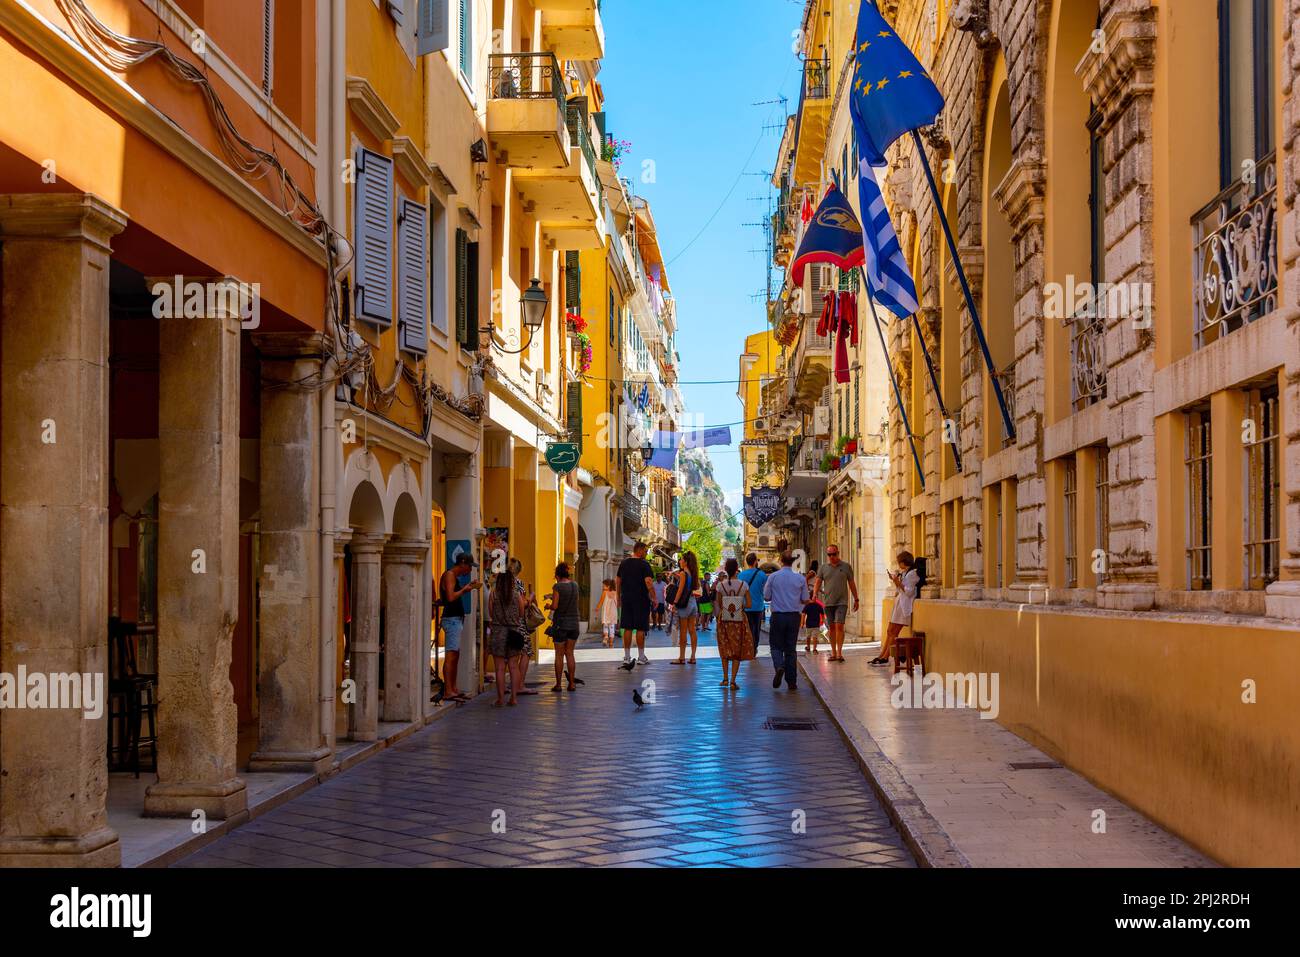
(909, 650)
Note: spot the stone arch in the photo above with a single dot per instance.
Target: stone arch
(570, 540)
(403, 483)
(363, 481)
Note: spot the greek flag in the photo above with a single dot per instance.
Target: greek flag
(889, 281)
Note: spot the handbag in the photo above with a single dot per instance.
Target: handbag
(533, 618)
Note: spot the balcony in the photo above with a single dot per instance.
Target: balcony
(1087, 357)
(807, 480)
(1235, 256)
(527, 118)
(573, 28)
(567, 201)
(812, 367)
(813, 121)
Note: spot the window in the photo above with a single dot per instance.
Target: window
(373, 232)
(1097, 199)
(573, 282)
(1199, 461)
(1102, 509)
(609, 317)
(467, 319)
(438, 264)
(1263, 490)
(995, 533)
(467, 41)
(1071, 522)
(1246, 81)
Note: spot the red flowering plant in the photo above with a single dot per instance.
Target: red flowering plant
(576, 322)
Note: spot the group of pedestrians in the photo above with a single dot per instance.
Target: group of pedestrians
(637, 599)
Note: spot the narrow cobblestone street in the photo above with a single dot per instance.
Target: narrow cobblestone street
(587, 779)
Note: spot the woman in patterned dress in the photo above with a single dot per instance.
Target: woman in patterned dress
(735, 643)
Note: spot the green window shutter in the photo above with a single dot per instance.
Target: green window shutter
(462, 286)
(573, 282)
(471, 297)
(574, 423)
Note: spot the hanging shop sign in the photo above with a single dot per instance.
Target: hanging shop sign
(562, 457)
(762, 505)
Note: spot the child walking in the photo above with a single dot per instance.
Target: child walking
(607, 609)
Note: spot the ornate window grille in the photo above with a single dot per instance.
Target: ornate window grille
(1235, 255)
(1007, 380)
(1263, 490)
(1071, 523)
(1087, 356)
(1198, 457)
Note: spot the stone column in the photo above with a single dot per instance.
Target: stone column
(54, 255)
(289, 639)
(463, 519)
(1121, 81)
(363, 722)
(198, 562)
(402, 562)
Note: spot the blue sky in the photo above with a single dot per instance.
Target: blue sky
(680, 79)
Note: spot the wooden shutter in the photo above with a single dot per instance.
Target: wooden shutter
(268, 44)
(433, 30)
(573, 282)
(373, 229)
(462, 287)
(574, 419)
(471, 297)
(412, 278)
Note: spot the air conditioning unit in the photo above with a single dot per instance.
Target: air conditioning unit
(764, 541)
(760, 425)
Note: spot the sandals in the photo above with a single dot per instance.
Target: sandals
(677, 662)
(557, 689)
(735, 687)
(723, 683)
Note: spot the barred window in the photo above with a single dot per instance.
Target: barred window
(1263, 489)
(1102, 509)
(995, 533)
(1071, 523)
(1199, 460)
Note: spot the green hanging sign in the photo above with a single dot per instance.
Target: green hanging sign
(562, 457)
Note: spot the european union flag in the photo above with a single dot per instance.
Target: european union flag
(892, 93)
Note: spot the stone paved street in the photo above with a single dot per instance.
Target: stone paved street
(586, 779)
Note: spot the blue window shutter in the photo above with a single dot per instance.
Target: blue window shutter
(373, 231)
(412, 277)
(434, 29)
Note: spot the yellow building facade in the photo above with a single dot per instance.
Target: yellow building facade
(1118, 179)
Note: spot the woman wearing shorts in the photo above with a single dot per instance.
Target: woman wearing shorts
(564, 626)
(685, 591)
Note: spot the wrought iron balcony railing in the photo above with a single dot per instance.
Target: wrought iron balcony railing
(525, 76)
(1235, 255)
(1087, 356)
(579, 134)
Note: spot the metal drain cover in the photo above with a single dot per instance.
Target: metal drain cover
(1035, 766)
(789, 724)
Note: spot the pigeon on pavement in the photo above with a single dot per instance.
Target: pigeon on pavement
(636, 697)
(628, 665)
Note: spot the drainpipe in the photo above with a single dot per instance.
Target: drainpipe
(336, 146)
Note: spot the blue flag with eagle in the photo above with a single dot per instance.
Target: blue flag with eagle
(892, 93)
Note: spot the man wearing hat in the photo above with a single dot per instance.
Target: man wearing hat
(457, 582)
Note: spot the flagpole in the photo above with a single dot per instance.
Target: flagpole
(893, 380)
(965, 288)
(934, 383)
